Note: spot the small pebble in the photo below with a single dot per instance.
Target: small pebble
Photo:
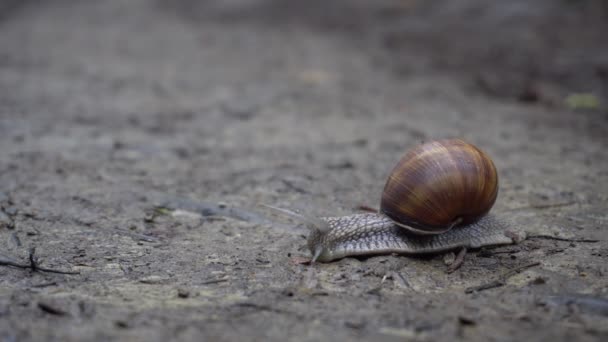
(466, 320)
(183, 293)
(5, 221)
(153, 279)
(538, 281)
(121, 324)
(355, 324)
(449, 258)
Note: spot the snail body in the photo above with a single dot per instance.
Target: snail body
(437, 198)
(369, 234)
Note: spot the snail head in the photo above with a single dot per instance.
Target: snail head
(318, 229)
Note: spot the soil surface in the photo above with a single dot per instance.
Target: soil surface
(139, 140)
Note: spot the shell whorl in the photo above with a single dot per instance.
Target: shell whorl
(439, 184)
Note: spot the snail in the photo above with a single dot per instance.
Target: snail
(437, 198)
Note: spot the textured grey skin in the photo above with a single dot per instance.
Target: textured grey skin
(368, 234)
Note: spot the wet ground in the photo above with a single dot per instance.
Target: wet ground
(140, 138)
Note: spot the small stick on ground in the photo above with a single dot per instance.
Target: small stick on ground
(549, 237)
(33, 265)
(518, 269)
(33, 259)
(364, 207)
(48, 308)
(544, 206)
(458, 261)
(263, 307)
(137, 236)
(502, 280)
(42, 285)
(486, 286)
(300, 260)
(214, 281)
(486, 253)
(294, 187)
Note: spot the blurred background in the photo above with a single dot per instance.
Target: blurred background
(110, 110)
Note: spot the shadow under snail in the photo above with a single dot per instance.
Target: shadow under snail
(436, 199)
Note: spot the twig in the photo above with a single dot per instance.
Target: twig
(300, 260)
(552, 205)
(263, 307)
(502, 280)
(549, 237)
(33, 259)
(50, 270)
(33, 265)
(260, 307)
(543, 206)
(294, 187)
(15, 239)
(400, 279)
(486, 253)
(137, 236)
(214, 281)
(4, 262)
(458, 261)
(6, 220)
(518, 269)
(486, 286)
(48, 308)
(364, 207)
(39, 286)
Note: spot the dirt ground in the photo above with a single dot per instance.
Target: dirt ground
(140, 138)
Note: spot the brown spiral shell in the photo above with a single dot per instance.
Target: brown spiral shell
(440, 184)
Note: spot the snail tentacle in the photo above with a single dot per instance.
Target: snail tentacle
(310, 222)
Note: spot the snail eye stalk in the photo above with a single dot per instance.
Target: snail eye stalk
(311, 223)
